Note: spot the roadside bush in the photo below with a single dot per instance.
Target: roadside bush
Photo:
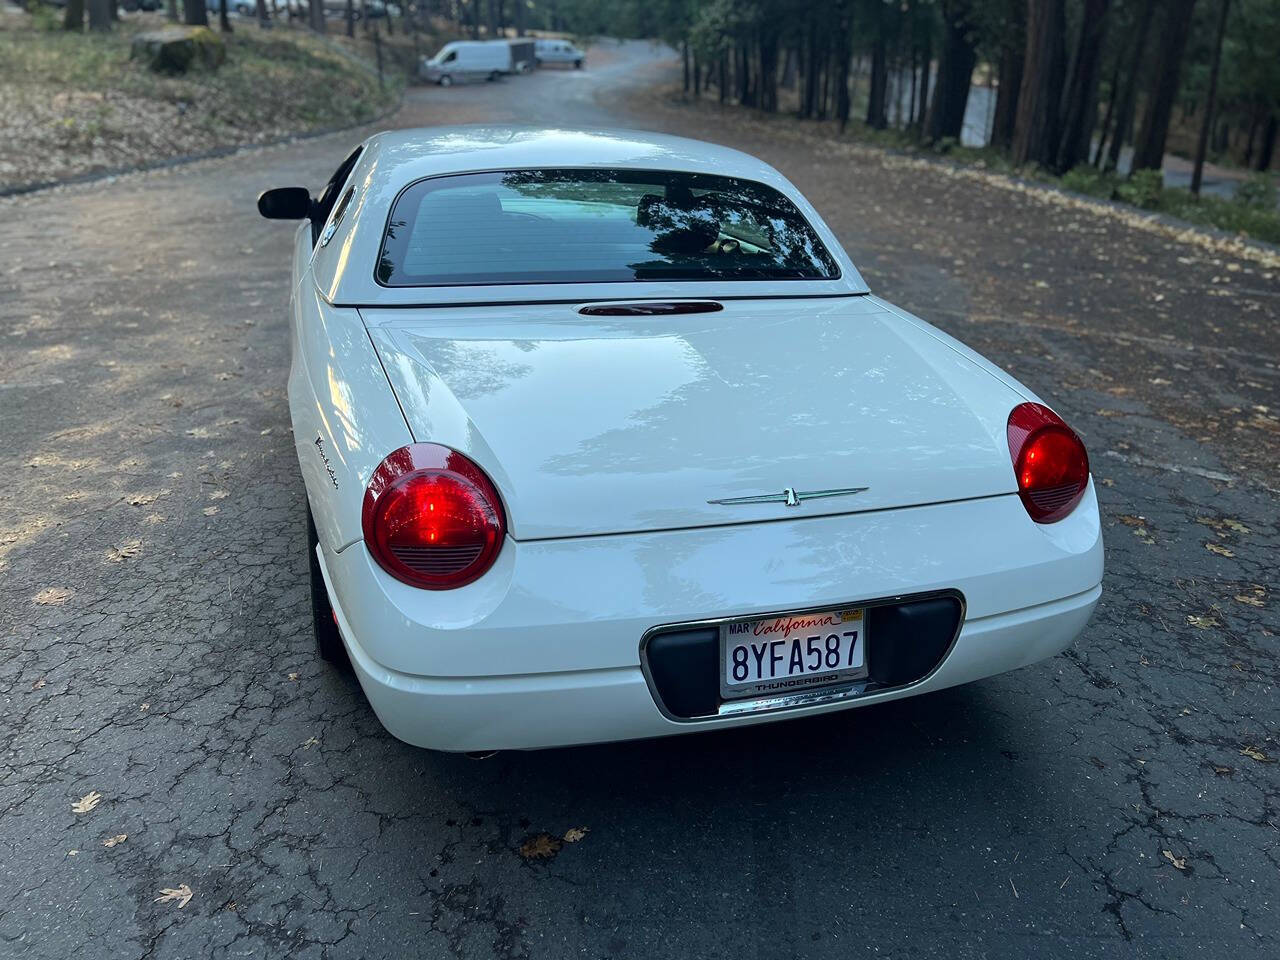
(1142, 189)
(1089, 180)
(1230, 215)
(44, 16)
(1258, 192)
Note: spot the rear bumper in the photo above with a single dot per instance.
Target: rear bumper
(545, 649)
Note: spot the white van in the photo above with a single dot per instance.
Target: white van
(467, 60)
(559, 51)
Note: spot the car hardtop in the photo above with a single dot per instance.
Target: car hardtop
(388, 163)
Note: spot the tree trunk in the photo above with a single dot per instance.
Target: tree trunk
(1129, 98)
(926, 68)
(1268, 144)
(1202, 145)
(1254, 118)
(1013, 51)
(115, 11)
(224, 21)
(1105, 130)
(788, 81)
(317, 16)
(1080, 101)
(1148, 149)
(520, 5)
(684, 58)
(351, 18)
(769, 72)
(99, 15)
(195, 14)
(842, 77)
(877, 115)
(1037, 131)
(73, 16)
(955, 71)
(264, 17)
(697, 77)
(812, 65)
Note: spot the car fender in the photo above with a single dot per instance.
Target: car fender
(345, 416)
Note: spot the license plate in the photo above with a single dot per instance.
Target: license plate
(792, 653)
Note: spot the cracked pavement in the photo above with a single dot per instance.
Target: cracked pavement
(1118, 800)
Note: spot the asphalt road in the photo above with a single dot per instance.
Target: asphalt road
(1118, 801)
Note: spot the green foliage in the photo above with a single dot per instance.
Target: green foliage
(1230, 215)
(1142, 189)
(1258, 192)
(1089, 180)
(44, 16)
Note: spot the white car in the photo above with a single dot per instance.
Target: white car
(604, 437)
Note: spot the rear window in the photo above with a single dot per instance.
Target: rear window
(591, 226)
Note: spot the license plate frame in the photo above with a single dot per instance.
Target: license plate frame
(795, 627)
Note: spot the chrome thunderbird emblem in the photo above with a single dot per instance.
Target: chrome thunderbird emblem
(792, 497)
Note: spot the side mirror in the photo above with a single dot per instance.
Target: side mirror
(285, 203)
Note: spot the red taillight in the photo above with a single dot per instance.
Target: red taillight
(1049, 461)
(432, 518)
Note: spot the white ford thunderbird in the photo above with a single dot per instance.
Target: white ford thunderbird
(604, 437)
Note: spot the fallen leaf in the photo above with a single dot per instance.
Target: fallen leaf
(542, 846)
(210, 511)
(50, 596)
(144, 707)
(1223, 771)
(181, 894)
(574, 834)
(1179, 863)
(1219, 549)
(1252, 601)
(87, 802)
(310, 742)
(293, 676)
(143, 499)
(1131, 521)
(39, 683)
(130, 548)
(1204, 623)
(1235, 526)
(117, 839)
(1253, 753)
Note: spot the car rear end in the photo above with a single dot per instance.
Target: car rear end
(643, 516)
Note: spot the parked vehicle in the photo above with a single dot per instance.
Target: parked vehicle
(467, 60)
(654, 460)
(559, 51)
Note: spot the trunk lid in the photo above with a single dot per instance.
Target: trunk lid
(601, 425)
